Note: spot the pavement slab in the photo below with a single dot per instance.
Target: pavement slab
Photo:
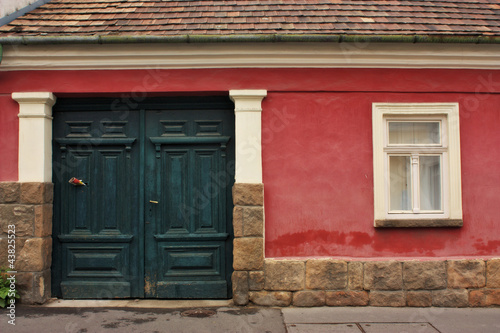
(398, 327)
(396, 320)
(362, 328)
(320, 328)
(144, 320)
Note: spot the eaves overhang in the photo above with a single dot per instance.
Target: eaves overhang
(247, 51)
(249, 38)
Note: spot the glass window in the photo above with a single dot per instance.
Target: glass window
(416, 165)
(400, 183)
(430, 183)
(414, 132)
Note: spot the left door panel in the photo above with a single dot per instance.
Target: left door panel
(97, 229)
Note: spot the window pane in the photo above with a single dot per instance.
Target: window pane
(430, 182)
(400, 182)
(414, 132)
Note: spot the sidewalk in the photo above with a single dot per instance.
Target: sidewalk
(389, 320)
(220, 316)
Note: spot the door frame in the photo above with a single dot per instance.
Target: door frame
(35, 136)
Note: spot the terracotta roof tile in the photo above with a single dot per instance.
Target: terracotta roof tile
(354, 17)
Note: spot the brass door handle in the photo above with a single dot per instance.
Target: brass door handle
(153, 201)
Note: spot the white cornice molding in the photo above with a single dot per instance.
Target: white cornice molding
(247, 100)
(250, 55)
(37, 98)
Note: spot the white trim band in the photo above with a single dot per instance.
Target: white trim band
(33, 116)
(250, 55)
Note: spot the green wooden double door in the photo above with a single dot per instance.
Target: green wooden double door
(154, 217)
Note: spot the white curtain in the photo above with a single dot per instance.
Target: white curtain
(413, 132)
(430, 182)
(400, 182)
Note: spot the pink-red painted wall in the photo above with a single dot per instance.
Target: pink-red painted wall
(317, 148)
(9, 137)
(318, 179)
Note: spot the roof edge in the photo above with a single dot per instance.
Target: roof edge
(21, 11)
(257, 38)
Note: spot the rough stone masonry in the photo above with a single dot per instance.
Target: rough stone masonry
(28, 206)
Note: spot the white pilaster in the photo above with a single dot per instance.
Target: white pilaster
(35, 135)
(248, 128)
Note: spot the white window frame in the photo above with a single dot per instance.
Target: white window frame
(447, 113)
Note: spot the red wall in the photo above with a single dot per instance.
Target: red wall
(317, 148)
(319, 181)
(9, 137)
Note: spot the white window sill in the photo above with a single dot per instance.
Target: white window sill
(418, 223)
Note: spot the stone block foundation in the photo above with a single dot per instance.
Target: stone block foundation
(28, 207)
(257, 280)
(333, 282)
(384, 283)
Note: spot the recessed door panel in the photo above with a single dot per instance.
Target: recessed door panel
(172, 175)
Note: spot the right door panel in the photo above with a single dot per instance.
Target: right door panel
(189, 175)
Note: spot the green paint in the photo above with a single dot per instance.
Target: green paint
(187, 156)
(155, 219)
